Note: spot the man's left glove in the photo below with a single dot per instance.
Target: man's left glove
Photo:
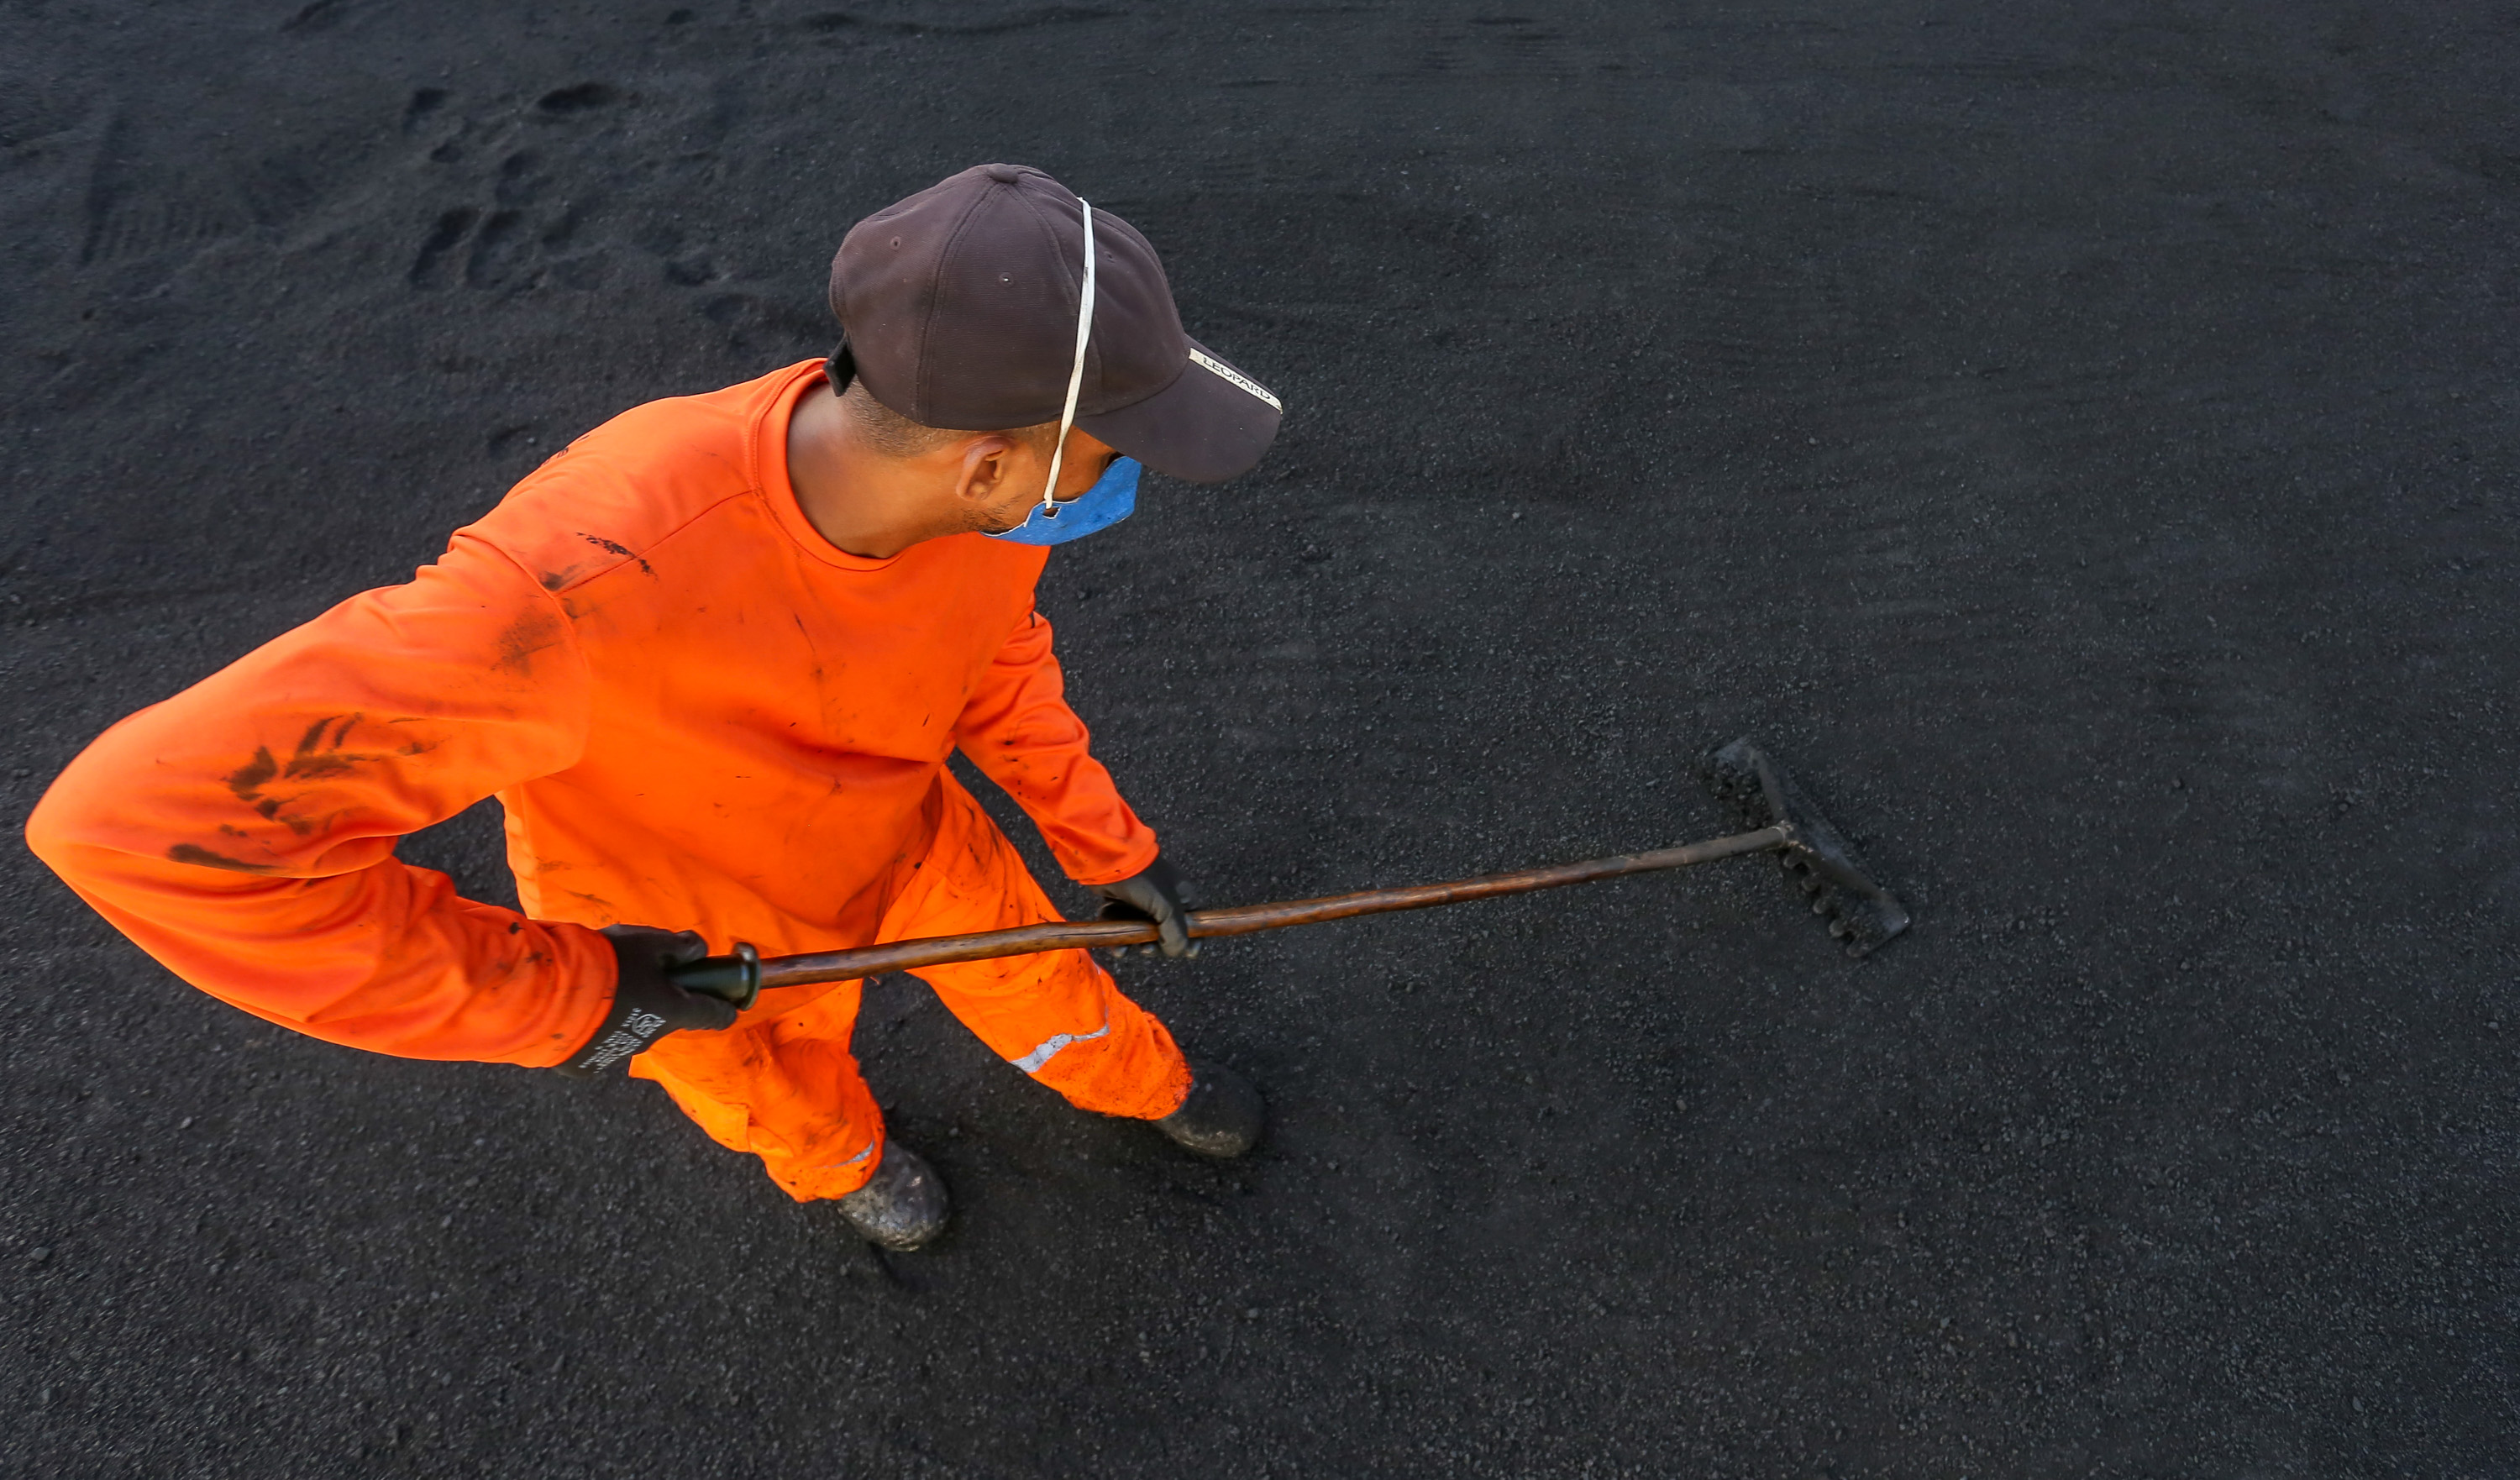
(646, 1005)
(1155, 893)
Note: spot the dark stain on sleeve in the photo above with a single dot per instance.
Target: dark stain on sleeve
(615, 547)
(530, 633)
(310, 761)
(319, 754)
(246, 780)
(194, 853)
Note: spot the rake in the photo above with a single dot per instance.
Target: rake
(1778, 816)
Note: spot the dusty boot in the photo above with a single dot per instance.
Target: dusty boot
(1223, 1116)
(902, 1205)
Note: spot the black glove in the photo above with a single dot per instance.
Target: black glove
(645, 1006)
(1155, 893)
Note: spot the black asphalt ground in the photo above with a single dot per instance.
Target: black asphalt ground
(2078, 437)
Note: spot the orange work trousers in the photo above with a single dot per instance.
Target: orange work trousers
(781, 1083)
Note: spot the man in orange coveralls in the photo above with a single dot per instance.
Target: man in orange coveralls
(711, 659)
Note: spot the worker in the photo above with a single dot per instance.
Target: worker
(711, 659)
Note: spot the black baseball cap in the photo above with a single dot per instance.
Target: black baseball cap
(958, 309)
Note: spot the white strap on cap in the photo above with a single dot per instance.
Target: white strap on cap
(1076, 372)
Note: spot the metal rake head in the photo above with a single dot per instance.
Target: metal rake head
(1817, 857)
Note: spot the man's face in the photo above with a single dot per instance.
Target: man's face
(1087, 458)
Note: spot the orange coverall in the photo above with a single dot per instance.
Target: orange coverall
(699, 714)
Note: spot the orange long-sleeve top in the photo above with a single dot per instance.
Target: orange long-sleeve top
(696, 711)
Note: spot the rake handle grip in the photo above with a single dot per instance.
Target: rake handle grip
(738, 979)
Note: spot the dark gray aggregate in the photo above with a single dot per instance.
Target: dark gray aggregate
(2078, 437)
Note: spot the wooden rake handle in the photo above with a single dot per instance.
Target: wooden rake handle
(739, 978)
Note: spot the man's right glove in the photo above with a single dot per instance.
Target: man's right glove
(646, 1005)
(1155, 893)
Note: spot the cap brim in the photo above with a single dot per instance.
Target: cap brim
(1211, 423)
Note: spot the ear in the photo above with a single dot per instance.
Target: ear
(986, 469)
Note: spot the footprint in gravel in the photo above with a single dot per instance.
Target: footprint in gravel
(442, 238)
(499, 250)
(509, 244)
(133, 206)
(313, 17)
(560, 102)
(518, 183)
(423, 103)
(757, 325)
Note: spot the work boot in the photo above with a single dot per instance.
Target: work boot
(902, 1205)
(1223, 1116)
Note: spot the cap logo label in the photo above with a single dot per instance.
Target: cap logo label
(1235, 377)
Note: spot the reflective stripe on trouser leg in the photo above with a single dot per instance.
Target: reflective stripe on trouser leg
(1049, 1046)
(842, 1166)
(1058, 1017)
(784, 1089)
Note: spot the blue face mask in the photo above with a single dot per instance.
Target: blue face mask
(1112, 498)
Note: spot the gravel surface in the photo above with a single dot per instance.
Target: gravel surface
(2079, 438)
